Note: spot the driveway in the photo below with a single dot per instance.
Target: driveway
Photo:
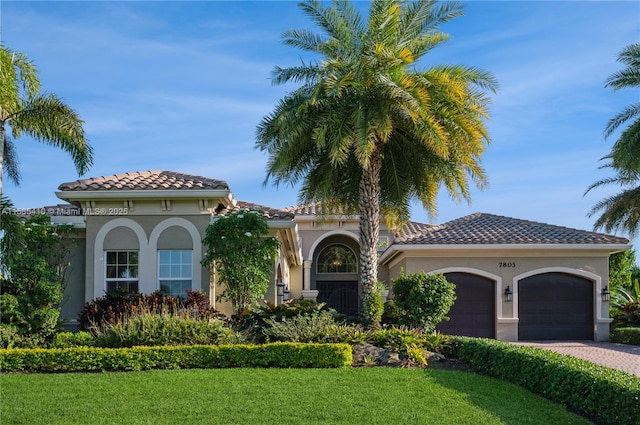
(616, 356)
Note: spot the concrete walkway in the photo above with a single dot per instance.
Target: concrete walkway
(616, 356)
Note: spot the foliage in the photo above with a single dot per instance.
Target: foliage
(401, 339)
(44, 117)
(163, 328)
(368, 131)
(621, 265)
(621, 211)
(72, 339)
(33, 287)
(628, 315)
(242, 253)
(609, 396)
(253, 322)
(314, 327)
(391, 314)
(626, 336)
(424, 299)
(374, 306)
(116, 305)
(93, 359)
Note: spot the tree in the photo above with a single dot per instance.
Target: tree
(367, 131)
(45, 117)
(621, 211)
(621, 268)
(33, 278)
(243, 256)
(424, 299)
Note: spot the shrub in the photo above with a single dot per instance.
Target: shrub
(70, 339)
(93, 359)
(374, 306)
(162, 328)
(254, 323)
(626, 336)
(400, 339)
(605, 395)
(424, 299)
(315, 327)
(391, 314)
(628, 315)
(118, 304)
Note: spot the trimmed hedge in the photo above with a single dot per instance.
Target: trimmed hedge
(599, 393)
(93, 359)
(626, 336)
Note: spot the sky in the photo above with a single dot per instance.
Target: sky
(181, 86)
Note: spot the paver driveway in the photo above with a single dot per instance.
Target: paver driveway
(616, 356)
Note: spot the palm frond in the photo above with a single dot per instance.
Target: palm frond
(10, 161)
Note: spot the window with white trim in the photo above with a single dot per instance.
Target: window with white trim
(121, 271)
(175, 272)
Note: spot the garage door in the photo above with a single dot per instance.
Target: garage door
(473, 313)
(555, 306)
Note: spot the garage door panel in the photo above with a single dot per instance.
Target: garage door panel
(473, 313)
(555, 306)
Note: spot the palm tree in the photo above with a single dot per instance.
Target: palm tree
(44, 117)
(367, 131)
(622, 211)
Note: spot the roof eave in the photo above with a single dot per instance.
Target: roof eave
(394, 250)
(83, 195)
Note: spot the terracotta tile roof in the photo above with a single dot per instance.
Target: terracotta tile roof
(412, 229)
(145, 180)
(485, 229)
(269, 213)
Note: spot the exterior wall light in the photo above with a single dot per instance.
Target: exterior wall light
(605, 293)
(508, 295)
(280, 291)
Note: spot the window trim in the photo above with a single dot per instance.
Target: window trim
(172, 279)
(348, 248)
(108, 280)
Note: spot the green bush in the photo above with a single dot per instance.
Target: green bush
(424, 299)
(93, 359)
(599, 393)
(391, 314)
(374, 306)
(400, 339)
(626, 336)
(315, 327)
(163, 329)
(70, 339)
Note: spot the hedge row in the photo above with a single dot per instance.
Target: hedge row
(92, 359)
(602, 394)
(626, 336)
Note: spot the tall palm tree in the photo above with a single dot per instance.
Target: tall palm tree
(622, 210)
(367, 130)
(44, 117)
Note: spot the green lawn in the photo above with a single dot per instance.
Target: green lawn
(273, 396)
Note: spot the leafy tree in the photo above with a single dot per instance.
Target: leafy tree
(424, 300)
(621, 266)
(368, 131)
(621, 211)
(45, 117)
(242, 253)
(32, 287)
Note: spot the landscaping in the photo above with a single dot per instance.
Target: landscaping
(274, 396)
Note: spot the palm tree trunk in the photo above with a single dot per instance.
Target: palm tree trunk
(370, 222)
(2, 141)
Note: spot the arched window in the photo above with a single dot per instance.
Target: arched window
(337, 259)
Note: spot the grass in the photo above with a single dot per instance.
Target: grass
(273, 396)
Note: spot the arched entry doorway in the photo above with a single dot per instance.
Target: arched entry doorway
(335, 274)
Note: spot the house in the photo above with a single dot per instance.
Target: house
(515, 279)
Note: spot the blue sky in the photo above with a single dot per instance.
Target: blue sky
(181, 86)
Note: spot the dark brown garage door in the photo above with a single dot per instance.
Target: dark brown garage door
(473, 313)
(555, 306)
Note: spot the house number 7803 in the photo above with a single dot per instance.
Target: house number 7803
(507, 264)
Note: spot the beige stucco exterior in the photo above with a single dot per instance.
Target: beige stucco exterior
(149, 220)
